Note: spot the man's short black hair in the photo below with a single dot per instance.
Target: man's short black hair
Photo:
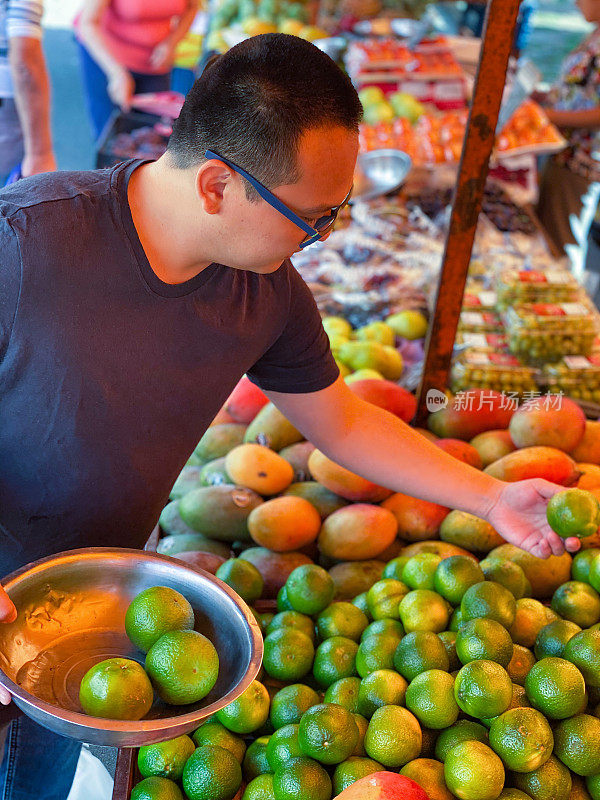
(254, 102)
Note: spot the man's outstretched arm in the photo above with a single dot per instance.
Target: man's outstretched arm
(380, 447)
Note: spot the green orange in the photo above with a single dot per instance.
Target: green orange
(393, 737)
(490, 600)
(551, 781)
(335, 658)
(384, 687)
(573, 512)
(328, 733)
(260, 788)
(343, 693)
(292, 619)
(474, 772)
(351, 770)
(288, 654)
(583, 650)
(255, 761)
(552, 638)
(215, 733)
(383, 598)
(155, 611)
(430, 697)
(522, 738)
(483, 689)
(424, 610)
(465, 730)
(419, 571)
(116, 688)
(283, 746)
(249, 712)
(376, 652)
(156, 788)
(419, 651)
(454, 575)
(211, 773)
(577, 602)
(484, 639)
(166, 759)
(341, 619)
(577, 744)
(302, 777)
(183, 666)
(290, 703)
(309, 589)
(242, 577)
(556, 688)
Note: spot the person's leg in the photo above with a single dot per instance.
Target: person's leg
(37, 763)
(11, 139)
(99, 105)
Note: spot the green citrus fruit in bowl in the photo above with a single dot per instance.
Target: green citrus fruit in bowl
(117, 688)
(574, 512)
(156, 611)
(183, 666)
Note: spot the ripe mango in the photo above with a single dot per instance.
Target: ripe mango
(223, 417)
(372, 355)
(259, 468)
(588, 449)
(376, 332)
(191, 542)
(417, 520)
(245, 401)
(544, 574)
(387, 395)
(209, 562)
(460, 450)
(535, 462)
(492, 445)
(187, 480)
(219, 440)
(352, 578)
(590, 477)
(357, 532)
(220, 512)
(275, 568)
(322, 499)
(383, 786)
(441, 549)
(170, 520)
(343, 482)
(271, 429)
(560, 425)
(470, 532)
(284, 524)
(214, 473)
(297, 455)
(337, 326)
(482, 410)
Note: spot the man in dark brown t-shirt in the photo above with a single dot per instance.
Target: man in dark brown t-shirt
(133, 299)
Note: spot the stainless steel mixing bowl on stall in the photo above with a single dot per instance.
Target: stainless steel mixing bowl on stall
(71, 615)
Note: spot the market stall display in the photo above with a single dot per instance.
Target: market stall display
(363, 638)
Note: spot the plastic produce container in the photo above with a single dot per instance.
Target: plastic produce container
(543, 333)
(502, 372)
(575, 376)
(534, 286)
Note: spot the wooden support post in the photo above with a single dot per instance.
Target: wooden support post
(498, 31)
(124, 773)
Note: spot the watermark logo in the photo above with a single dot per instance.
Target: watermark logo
(435, 400)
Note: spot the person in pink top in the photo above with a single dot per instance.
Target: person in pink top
(127, 47)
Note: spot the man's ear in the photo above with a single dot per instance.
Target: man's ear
(211, 179)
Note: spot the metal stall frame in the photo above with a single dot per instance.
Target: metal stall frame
(500, 20)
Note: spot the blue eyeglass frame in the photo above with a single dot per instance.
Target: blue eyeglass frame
(313, 234)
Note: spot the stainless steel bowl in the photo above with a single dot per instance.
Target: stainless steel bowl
(379, 172)
(71, 615)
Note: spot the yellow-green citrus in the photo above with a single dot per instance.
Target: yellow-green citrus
(249, 712)
(573, 512)
(290, 703)
(288, 654)
(551, 781)
(384, 687)
(383, 598)
(335, 658)
(430, 697)
(474, 772)
(522, 738)
(352, 770)
(489, 600)
(424, 610)
(328, 733)
(155, 611)
(342, 619)
(309, 589)
(393, 737)
(552, 639)
(183, 666)
(483, 689)
(302, 777)
(577, 744)
(419, 571)
(419, 651)
(343, 693)
(454, 575)
(156, 788)
(213, 732)
(292, 619)
(484, 639)
(283, 746)
(583, 650)
(465, 730)
(577, 602)
(165, 759)
(116, 688)
(556, 688)
(211, 773)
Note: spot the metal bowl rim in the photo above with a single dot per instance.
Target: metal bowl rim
(378, 191)
(140, 726)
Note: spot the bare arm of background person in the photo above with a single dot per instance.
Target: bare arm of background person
(31, 84)
(8, 613)
(121, 85)
(164, 53)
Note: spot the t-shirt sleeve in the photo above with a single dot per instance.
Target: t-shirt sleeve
(24, 18)
(10, 281)
(300, 359)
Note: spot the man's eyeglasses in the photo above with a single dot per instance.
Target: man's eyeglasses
(321, 227)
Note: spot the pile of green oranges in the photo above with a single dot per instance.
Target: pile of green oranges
(445, 670)
(181, 664)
